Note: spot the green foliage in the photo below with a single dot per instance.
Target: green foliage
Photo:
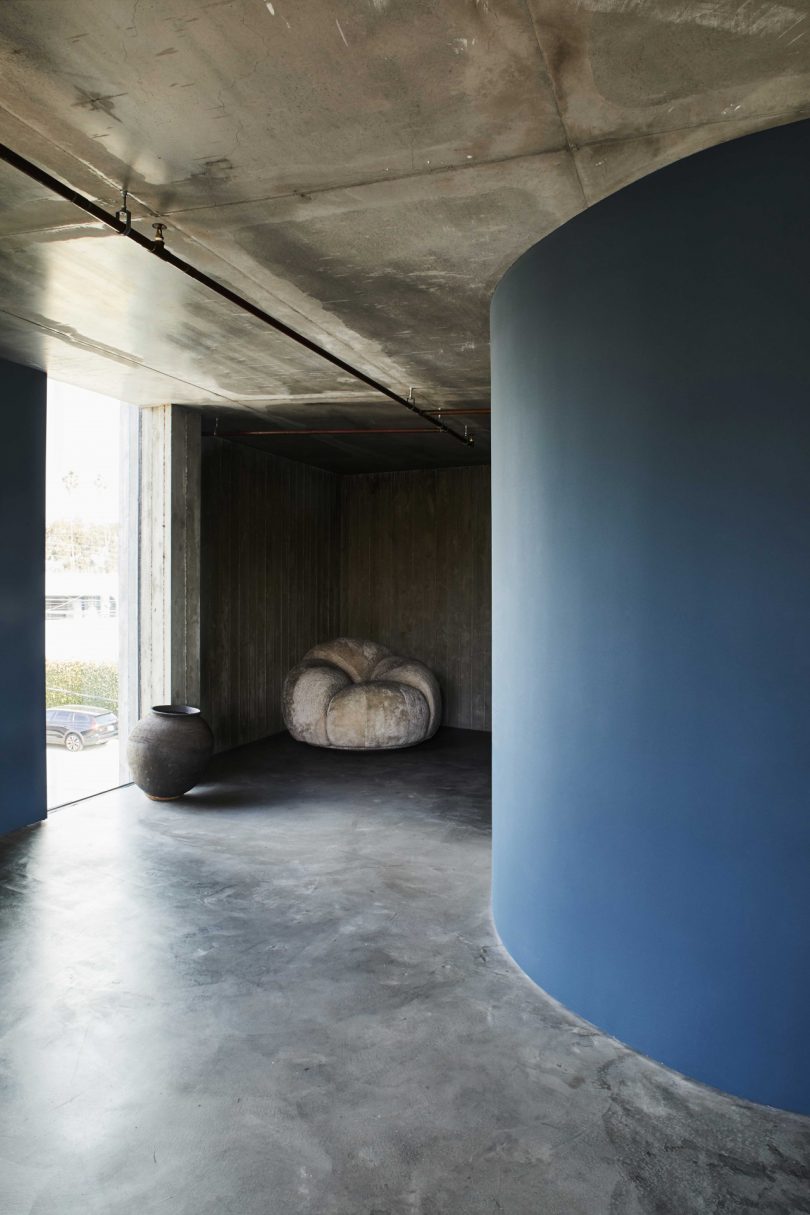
(81, 683)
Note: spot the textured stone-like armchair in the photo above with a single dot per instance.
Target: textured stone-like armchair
(358, 696)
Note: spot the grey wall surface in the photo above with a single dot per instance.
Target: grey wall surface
(269, 582)
(292, 555)
(22, 596)
(415, 575)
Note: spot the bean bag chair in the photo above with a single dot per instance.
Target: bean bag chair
(357, 696)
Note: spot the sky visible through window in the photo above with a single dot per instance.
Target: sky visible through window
(83, 432)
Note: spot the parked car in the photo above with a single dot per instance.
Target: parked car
(80, 726)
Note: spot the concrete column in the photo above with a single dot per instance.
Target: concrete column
(184, 633)
(129, 560)
(169, 556)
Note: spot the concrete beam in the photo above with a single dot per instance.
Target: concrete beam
(169, 556)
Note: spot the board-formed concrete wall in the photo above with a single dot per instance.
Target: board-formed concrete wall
(269, 582)
(651, 540)
(22, 596)
(415, 575)
(292, 556)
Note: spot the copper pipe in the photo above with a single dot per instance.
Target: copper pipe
(272, 434)
(466, 412)
(158, 248)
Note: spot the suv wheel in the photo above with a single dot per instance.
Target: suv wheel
(73, 742)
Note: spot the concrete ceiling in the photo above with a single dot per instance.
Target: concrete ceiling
(363, 169)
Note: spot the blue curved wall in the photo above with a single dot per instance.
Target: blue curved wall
(651, 610)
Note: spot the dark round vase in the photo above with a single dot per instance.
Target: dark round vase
(168, 751)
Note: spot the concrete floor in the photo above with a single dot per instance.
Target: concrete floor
(284, 996)
(74, 775)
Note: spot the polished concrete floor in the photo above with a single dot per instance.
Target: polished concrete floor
(284, 996)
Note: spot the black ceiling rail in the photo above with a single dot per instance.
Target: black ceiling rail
(158, 248)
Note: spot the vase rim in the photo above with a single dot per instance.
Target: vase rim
(175, 710)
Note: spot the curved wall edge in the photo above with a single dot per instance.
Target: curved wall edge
(651, 602)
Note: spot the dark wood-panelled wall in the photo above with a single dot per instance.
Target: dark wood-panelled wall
(292, 555)
(269, 582)
(415, 575)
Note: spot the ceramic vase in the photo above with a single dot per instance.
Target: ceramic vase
(169, 750)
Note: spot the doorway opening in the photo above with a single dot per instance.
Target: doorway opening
(90, 591)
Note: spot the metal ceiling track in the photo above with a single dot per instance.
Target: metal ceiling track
(158, 248)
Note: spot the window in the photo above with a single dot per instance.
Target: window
(89, 589)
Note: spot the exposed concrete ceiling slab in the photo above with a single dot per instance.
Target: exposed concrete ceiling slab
(604, 168)
(411, 264)
(364, 170)
(235, 100)
(624, 68)
(351, 439)
(115, 299)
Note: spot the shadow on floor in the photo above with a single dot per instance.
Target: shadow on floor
(450, 772)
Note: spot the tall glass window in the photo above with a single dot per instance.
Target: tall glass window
(88, 592)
